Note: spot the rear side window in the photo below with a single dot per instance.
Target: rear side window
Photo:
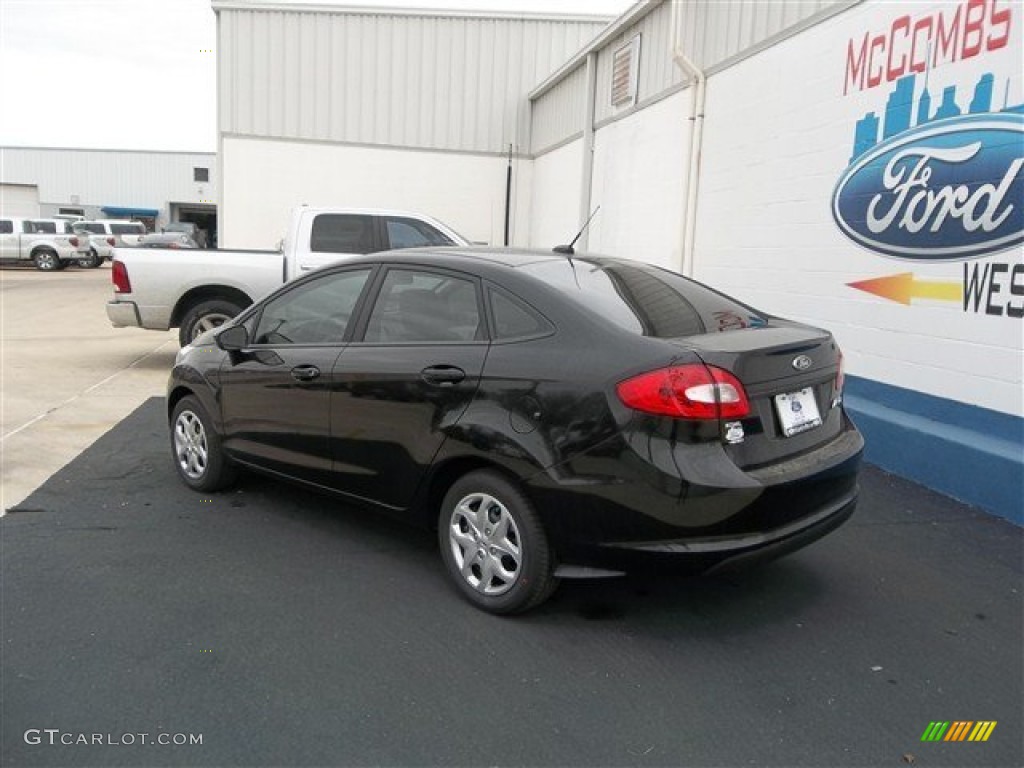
(424, 307)
(342, 233)
(409, 233)
(645, 300)
(514, 320)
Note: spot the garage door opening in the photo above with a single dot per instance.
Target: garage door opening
(203, 216)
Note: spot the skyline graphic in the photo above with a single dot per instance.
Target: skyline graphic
(900, 110)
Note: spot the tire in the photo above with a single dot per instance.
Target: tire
(197, 449)
(91, 261)
(47, 260)
(204, 316)
(494, 546)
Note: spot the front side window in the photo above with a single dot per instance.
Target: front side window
(410, 233)
(94, 228)
(317, 312)
(424, 307)
(342, 233)
(44, 227)
(6, 227)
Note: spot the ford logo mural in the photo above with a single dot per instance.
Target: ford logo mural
(944, 191)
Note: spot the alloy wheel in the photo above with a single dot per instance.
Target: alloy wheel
(485, 544)
(190, 445)
(208, 323)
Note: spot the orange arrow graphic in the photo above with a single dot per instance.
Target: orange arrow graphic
(902, 288)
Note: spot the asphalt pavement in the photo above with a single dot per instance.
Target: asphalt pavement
(279, 627)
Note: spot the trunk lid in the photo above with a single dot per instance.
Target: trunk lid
(789, 373)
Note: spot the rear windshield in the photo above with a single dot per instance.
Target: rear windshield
(645, 300)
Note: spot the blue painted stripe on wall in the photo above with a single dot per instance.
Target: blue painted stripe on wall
(971, 453)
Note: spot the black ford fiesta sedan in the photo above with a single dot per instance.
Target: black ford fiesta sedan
(552, 415)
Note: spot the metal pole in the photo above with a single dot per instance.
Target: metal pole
(508, 194)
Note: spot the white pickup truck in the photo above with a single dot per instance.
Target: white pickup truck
(24, 240)
(195, 290)
(106, 234)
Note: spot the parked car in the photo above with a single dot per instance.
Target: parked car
(549, 414)
(107, 234)
(188, 228)
(204, 289)
(25, 240)
(173, 240)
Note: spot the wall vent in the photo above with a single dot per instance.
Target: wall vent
(625, 66)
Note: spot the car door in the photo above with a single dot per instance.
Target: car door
(335, 236)
(411, 370)
(275, 395)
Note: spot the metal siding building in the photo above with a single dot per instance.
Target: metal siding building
(430, 80)
(713, 33)
(387, 108)
(91, 179)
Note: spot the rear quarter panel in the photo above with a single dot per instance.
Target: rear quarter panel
(160, 277)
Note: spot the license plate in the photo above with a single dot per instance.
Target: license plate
(798, 411)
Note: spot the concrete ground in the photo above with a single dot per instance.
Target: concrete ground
(66, 375)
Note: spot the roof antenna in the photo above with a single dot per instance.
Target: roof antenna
(567, 249)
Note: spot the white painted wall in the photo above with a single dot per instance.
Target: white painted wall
(639, 174)
(263, 180)
(555, 202)
(779, 133)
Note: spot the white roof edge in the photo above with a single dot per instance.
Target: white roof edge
(356, 10)
(633, 15)
(109, 149)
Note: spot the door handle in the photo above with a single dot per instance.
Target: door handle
(305, 372)
(443, 375)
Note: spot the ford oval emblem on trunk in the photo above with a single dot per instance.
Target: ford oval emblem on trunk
(944, 191)
(802, 362)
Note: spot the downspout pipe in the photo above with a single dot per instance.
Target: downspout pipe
(587, 175)
(698, 90)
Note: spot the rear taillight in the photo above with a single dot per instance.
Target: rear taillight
(693, 391)
(73, 241)
(840, 376)
(119, 275)
(111, 242)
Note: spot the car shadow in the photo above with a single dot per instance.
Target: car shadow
(738, 599)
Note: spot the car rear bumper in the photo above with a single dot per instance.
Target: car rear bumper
(713, 552)
(123, 314)
(677, 515)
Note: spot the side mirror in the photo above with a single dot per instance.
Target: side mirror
(233, 339)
